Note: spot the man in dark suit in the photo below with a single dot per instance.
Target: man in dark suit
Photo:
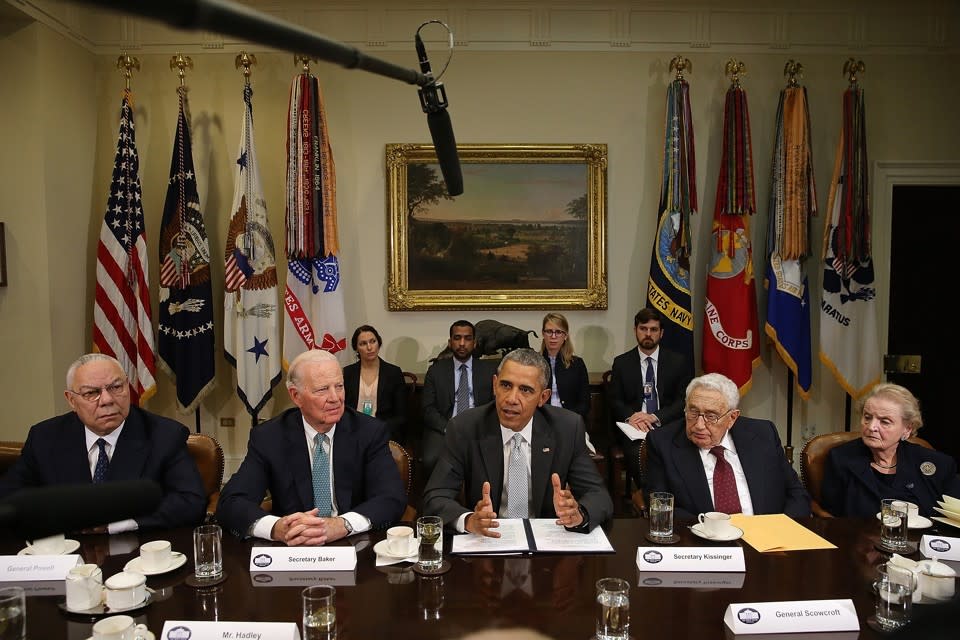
(717, 460)
(636, 402)
(327, 467)
(557, 478)
(104, 439)
(442, 384)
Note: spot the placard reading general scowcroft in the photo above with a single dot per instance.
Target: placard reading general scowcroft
(303, 559)
(797, 616)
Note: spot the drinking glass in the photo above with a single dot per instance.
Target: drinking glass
(208, 552)
(893, 523)
(319, 613)
(13, 613)
(430, 535)
(894, 601)
(661, 514)
(613, 609)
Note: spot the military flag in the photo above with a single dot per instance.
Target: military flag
(251, 332)
(793, 201)
(313, 299)
(730, 328)
(186, 299)
(668, 288)
(122, 324)
(849, 343)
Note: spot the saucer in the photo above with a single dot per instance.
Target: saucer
(177, 560)
(917, 522)
(102, 610)
(149, 636)
(734, 534)
(381, 550)
(69, 546)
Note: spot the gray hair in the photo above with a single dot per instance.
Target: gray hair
(314, 356)
(902, 397)
(720, 383)
(88, 358)
(529, 358)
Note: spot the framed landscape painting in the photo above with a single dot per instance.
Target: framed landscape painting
(528, 232)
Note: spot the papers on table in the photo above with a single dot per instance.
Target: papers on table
(777, 532)
(532, 536)
(631, 431)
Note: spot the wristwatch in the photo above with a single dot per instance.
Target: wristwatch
(347, 525)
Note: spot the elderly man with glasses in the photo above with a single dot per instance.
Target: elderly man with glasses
(717, 460)
(104, 439)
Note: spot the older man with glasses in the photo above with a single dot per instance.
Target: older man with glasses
(717, 460)
(104, 439)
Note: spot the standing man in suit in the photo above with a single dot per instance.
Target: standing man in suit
(517, 457)
(648, 385)
(451, 386)
(717, 460)
(327, 467)
(104, 439)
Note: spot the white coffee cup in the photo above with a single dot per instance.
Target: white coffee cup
(715, 524)
(155, 555)
(125, 590)
(84, 587)
(50, 546)
(400, 541)
(937, 580)
(118, 628)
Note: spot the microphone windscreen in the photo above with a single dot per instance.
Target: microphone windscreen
(441, 131)
(45, 511)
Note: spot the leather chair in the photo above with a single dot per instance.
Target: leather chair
(208, 456)
(637, 499)
(9, 453)
(404, 462)
(813, 458)
(618, 480)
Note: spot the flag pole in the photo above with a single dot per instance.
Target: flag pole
(788, 450)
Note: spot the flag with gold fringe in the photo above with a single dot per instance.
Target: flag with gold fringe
(849, 342)
(730, 328)
(251, 331)
(793, 201)
(668, 288)
(186, 334)
(313, 300)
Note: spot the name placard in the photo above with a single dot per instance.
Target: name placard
(207, 630)
(303, 559)
(697, 559)
(791, 616)
(28, 568)
(685, 580)
(940, 547)
(303, 578)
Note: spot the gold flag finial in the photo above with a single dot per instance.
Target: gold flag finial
(852, 67)
(126, 64)
(681, 64)
(245, 60)
(304, 62)
(733, 70)
(793, 71)
(180, 63)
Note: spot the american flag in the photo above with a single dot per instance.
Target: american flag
(122, 325)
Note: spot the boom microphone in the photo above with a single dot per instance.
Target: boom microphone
(46, 511)
(433, 100)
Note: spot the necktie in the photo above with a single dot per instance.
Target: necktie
(100, 471)
(517, 493)
(554, 392)
(321, 476)
(725, 497)
(650, 382)
(463, 391)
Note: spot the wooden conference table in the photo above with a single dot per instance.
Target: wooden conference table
(552, 593)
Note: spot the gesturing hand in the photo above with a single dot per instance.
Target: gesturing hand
(482, 520)
(568, 511)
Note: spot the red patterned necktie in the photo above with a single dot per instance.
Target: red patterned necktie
(725, 497)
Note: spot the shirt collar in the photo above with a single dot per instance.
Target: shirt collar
(526, 432)
(310, 432)
(655, 355)
(111, 438)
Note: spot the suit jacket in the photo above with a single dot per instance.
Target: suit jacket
(365, 476)
(473, 454)
(674, 373)
(674, 465)
(150, 447)
(851, 488)
(573, 385)
(440, 393)
(392, 393)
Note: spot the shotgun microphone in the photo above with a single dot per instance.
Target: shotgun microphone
(433, 100)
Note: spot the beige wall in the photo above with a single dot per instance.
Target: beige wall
(535, 96)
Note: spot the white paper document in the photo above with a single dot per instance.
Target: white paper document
(513, 539)
(631, 431)
(550, 536)
(532, 536)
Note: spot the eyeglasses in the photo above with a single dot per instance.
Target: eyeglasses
(554, 333)
(116, 389)
(710, 418)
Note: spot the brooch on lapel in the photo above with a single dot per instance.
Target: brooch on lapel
(928, 468)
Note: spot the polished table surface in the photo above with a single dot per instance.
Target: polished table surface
(553, 593)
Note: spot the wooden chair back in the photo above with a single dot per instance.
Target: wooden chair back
(208, 456)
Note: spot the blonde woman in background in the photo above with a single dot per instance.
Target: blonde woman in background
(569, 384)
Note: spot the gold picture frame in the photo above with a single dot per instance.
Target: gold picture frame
(529, 231)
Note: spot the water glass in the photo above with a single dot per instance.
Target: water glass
(613, 609)
(430, 536)
(894, 601)
(319, 613)
(430, 598)
(208, 552)
(661, 514)
(13, 613)
(893, 523)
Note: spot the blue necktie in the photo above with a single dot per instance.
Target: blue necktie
(100, 471)
(321, 476)
(650, 381)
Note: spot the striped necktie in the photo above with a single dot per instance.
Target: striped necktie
(725, 496)
(463, 391)
(321, 476)
(103, 462)
(518, 494)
